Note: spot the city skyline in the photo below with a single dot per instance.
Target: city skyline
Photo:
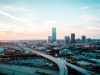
(34, 19)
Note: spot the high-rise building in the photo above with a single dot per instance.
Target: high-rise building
(53, 34)
(63, 42)
(87, 40)
(65, 38)
(72, 38)
(83, 39)
(49, 39)
(78, 40)
(68, 38)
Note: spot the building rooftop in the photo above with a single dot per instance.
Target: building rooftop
(83, 62)
(65, 50)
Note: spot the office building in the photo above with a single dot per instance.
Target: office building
(53, 34)
(72, 38)
(65, 38)
(87, 40)
(63, 42)
(78, 40)
(83, 39)
(49, 39)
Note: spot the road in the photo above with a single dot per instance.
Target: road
(10, 69)
(62, 67)
(62, 64)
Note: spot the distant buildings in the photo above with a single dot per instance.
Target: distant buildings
(65, 52)
(66, 38)
(72, 38)
(83, 39)
(49, 39)
(78, 40)
(63, 42)
(53, 34)
(87, 40)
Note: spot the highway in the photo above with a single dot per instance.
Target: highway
(10, 69)
(62, 67)
(62, 64)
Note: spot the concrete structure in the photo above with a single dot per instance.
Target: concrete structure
(53, 34)
(49, 39)
(63, 42)
(62, 64)
(40, 48)
(51, 44)
(72, 38)
(84, 64)
(65, 52)
(56, 48)
(12, 52)
(62, 67)
(83, 39)
(68, 40)
(87, 40)
(78, 40)
(9, 69)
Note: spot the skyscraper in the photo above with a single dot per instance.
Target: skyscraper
(72, 38)
(65, 38)
(49, 39)
(83, 39)
(87, 40)
(53, 34)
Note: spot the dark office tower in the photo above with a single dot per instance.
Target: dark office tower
(83, 39)
(53, 34)
(72, 38)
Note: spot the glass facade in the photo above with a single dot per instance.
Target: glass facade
(53, 34)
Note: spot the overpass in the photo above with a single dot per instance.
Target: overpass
(62, 64)
(62, 67)
(79, 69)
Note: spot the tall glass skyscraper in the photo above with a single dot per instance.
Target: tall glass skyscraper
(53, 34)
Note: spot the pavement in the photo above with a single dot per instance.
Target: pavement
(22, 70)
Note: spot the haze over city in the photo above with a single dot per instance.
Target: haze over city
(34, 19)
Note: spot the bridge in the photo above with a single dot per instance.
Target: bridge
(62, 67)
(63, 70)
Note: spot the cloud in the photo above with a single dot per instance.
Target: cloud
(85, 7)
(10, 8)
(11, 32)
(16, 18)
(95, 21)
(90, 6)
(87, 17)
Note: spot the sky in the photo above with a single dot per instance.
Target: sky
(34, 19)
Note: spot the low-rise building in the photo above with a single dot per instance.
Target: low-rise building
(65, 52)
(84, 64)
